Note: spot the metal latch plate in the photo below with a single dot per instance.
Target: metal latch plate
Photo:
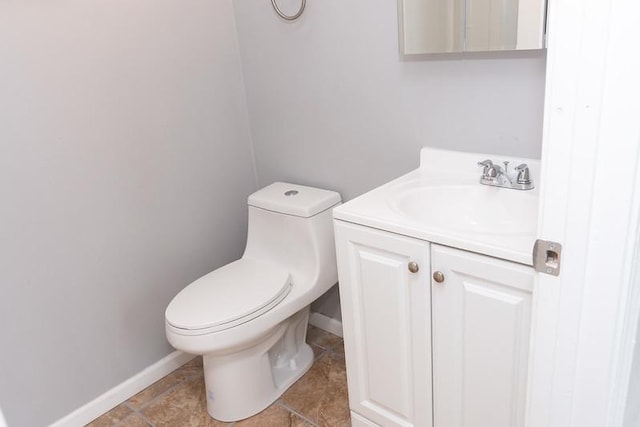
(547, 257)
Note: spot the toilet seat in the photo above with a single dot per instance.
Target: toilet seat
(231, 295)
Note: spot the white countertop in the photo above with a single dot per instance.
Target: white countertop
(458, 211)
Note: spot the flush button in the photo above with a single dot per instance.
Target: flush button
(291, 193)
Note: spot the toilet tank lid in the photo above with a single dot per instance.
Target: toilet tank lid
(293, 199)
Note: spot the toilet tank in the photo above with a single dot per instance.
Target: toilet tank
(291, 225)
(292, 199)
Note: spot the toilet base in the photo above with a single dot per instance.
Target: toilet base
(240, 385)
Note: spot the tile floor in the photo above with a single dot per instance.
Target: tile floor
(317, 399)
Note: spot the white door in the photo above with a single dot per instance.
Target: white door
(590, 189)
(387, 327)
(481, 321)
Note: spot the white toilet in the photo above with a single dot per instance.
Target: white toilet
(249, 318)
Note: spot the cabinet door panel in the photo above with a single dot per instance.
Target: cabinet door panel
(386, 319)
(384, 311)
(481, 328)
(360, 421)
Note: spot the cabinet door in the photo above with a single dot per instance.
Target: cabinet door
(481, 322)
(387, 328)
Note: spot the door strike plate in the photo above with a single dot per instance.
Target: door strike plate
(547, 256)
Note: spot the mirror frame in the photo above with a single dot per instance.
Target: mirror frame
(531, 32)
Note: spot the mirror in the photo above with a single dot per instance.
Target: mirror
(439, 26)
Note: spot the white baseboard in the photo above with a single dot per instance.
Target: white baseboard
(326, 323)
(124, 390)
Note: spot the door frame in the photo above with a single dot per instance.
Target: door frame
(585, 320)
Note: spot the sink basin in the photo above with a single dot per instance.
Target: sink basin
(474, 208)
(443, 202)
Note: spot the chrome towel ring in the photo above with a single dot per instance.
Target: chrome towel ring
(289, 17)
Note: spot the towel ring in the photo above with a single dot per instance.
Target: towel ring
(289, 17)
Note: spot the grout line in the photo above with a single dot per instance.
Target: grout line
(139, 412)
(128, 405)
(167, 391)
(293, 411)
(322, 353)
(144, 417)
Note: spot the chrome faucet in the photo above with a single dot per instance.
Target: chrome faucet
(498, 176)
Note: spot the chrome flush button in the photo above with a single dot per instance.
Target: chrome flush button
(291, 193)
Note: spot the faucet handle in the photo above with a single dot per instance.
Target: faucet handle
(523, 174)
(489, 170)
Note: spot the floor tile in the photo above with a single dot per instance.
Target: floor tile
(321, 394)
(317, 351)
(133, 420)
(274, 416)
(110, 418)
(184, 406)
(324, 339)
(188, 370)
(319, 398)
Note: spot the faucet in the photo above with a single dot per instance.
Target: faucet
(523, 175)
(498, 176)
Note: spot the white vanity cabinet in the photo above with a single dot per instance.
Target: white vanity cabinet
(386, 319)
(481, 318)
(421, 352)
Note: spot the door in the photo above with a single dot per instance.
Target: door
(481, 327)
(589, 201)
(387, 328)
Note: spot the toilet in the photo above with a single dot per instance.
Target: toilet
(248, 319)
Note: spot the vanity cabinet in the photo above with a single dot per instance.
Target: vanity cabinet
(386, 325)
(481, 314)
(451, 352)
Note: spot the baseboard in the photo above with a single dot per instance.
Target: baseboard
(124, 390)
(326, 323)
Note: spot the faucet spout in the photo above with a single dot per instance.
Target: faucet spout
(504, 176)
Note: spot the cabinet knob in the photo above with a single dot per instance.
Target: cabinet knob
(438, 276)
(413, 267)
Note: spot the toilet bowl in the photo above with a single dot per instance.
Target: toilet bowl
(248, 319)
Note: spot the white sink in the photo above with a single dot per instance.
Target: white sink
(443, 202)
(476, 209)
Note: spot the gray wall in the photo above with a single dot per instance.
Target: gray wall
(332, 104)
(126, 157)
(124, 170)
